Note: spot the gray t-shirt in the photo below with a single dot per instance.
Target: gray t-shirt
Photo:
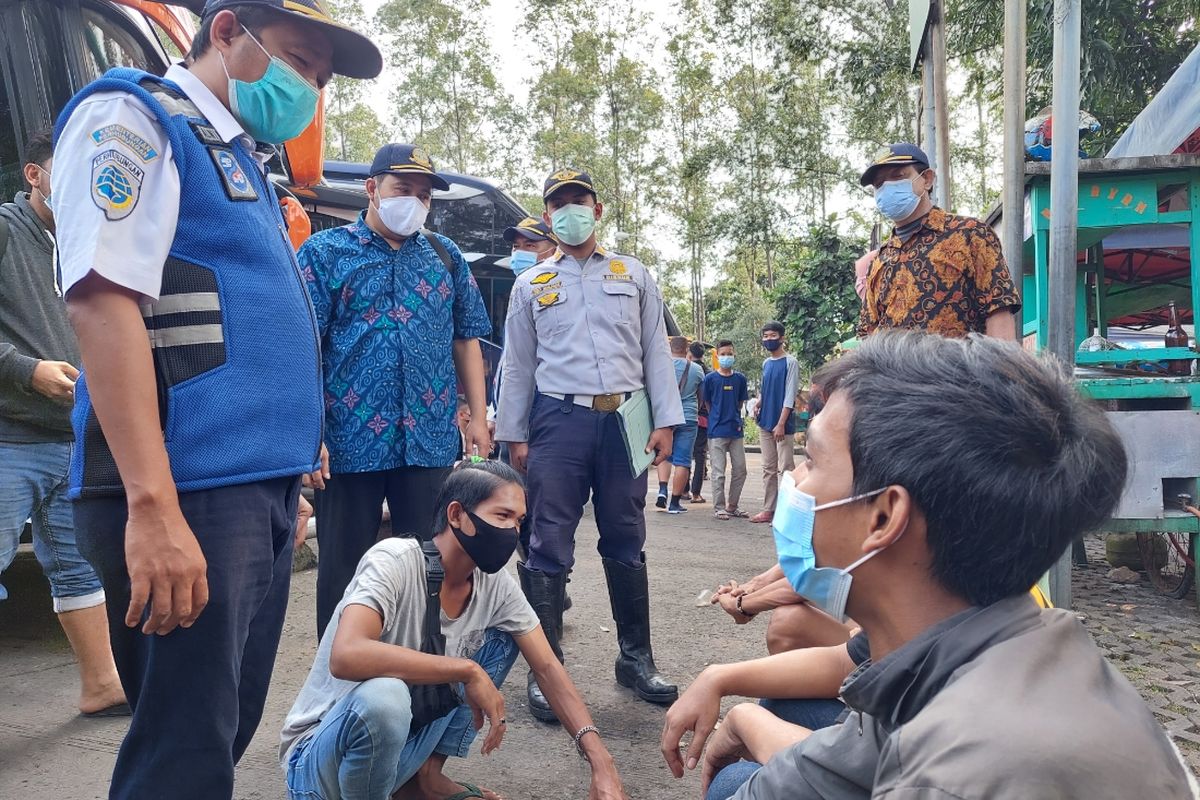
(391, 580)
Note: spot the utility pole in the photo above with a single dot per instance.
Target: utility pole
(937, 53)
(1064, 218)
(1013, 231)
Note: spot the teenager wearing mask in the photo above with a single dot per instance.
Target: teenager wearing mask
(199, 406)
(937, 272)
(776, 422)
(400, 317)
(351, 731)
(724, 392)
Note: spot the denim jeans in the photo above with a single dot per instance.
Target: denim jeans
(363, 748)
(811, 714)
(726, 783)
(33, 484)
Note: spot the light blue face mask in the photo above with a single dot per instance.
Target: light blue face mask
(521, 260)
(827, 588)
(573, 224)
(278, 106)
(726, 362)
(896, 200)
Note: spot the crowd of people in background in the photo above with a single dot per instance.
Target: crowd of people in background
(907, 655)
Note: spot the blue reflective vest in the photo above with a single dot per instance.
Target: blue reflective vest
(233, 334)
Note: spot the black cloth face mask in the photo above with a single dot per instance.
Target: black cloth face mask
(491, 547)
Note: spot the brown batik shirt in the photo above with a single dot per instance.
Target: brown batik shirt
(947, 278)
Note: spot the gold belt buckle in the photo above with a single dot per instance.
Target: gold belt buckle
(606, 402)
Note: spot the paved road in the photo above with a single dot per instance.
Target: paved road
(46, 752)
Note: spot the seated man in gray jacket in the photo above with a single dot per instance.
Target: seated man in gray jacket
(942, 478)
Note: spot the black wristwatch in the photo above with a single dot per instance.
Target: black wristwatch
(741, 610)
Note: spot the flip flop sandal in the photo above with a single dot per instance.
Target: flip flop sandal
(737, 512)
(118, 710)
(469, 791)
(721, 513)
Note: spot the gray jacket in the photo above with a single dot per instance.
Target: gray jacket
(33, 327)
(1007, 702)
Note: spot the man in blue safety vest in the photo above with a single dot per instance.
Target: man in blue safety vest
(199, 406)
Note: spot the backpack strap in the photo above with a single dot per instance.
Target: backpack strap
(442, 252)
(434, 575)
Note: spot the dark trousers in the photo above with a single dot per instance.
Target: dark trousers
(349, 512)
(574, 453)
(700, 456)
(198, 693)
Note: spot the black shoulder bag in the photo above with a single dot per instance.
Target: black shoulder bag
(432, 701)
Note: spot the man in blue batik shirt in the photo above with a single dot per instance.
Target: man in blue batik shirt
(400, 317)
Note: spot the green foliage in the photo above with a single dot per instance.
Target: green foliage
(352, 130)
(1129, 49)
(816, 300)
(737, 311)
(447, 96)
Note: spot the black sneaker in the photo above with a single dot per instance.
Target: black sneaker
(661, 502)
(676, 509)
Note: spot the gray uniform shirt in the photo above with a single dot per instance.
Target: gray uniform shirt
(391, 580)
(587, 328)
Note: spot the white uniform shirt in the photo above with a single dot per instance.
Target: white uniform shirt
(124, 233)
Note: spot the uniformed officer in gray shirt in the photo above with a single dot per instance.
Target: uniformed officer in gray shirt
(585, 329)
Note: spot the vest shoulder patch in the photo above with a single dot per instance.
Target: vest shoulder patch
(235, 180)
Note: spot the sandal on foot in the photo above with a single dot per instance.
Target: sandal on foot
(721, 513)
(737, 512)
(118, 710)
(469, 791)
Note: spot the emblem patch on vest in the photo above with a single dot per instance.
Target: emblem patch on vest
(120, 133)
(551, 299)
(236, 181)
(116, 184)
(545, 277)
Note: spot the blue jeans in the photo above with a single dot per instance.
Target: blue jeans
(363, 747)
(811, 714)
(683, 443)
(33, 485)
(727, 782)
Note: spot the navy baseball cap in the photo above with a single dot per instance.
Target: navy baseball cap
(529, 228)
(892, 155)
(354, 55)
(406, 159)
(567, 177)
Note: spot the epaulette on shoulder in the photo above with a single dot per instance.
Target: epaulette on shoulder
(174, 102)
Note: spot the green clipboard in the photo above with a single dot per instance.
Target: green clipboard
(637, 423)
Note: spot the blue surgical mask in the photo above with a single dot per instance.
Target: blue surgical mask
(521, 260)
(276, 107)
(573, 224)
(896, 200)
(827, 588)
(726, 362)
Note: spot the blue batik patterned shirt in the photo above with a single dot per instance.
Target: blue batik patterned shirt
(388, 320)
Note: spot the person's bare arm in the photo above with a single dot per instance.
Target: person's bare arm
(468, 363)
(773, 595)
(358, 655)
(1002, 325)
(814, 672)
(166, 566)
(568, 706)
(751, 732)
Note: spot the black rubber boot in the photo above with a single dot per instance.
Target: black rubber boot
(546, 593)
(629, 594)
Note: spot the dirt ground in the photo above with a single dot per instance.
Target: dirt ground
(47, 752)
